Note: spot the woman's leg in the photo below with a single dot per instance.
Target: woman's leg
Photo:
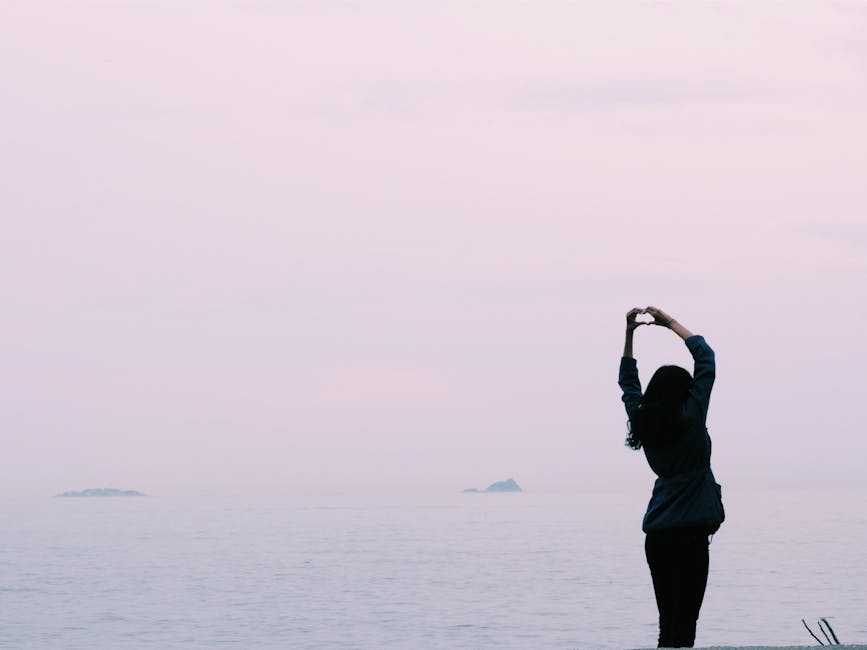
(659, 559)
(678, 561)
(690, 581)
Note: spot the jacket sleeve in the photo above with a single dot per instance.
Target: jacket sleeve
(705, 369)
(629, 383)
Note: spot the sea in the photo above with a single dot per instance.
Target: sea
(522, 570)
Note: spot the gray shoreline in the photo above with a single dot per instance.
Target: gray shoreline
(771, 647)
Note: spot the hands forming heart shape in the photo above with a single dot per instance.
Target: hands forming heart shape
(648, 316)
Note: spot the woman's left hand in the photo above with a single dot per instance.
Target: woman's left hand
(631, 323)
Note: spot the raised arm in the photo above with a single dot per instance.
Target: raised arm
(631, 326)
(705, 368)
(628, 380)
(703, 356)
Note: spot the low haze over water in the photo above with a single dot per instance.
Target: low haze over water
(450, 571)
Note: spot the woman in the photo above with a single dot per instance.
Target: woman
(668, 422)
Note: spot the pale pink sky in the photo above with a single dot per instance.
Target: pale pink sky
(378, 246)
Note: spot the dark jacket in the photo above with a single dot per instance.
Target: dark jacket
(686, 493)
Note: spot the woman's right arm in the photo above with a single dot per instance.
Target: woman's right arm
(705, 367)
(703, 356)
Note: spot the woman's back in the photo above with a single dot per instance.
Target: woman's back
(686, 492)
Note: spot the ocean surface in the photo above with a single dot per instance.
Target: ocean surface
(450, 571)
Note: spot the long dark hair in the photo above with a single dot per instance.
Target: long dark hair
(656, 420)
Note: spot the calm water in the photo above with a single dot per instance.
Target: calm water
(454, 571)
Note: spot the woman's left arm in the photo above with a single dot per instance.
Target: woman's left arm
(628, 380)
(631, 326)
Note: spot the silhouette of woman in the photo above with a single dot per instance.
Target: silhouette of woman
(668, 422)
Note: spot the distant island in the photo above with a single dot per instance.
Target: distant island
(509, 485)
(102, 492)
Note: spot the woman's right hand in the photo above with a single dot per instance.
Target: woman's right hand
(631, 323)
(664, 320)
(659, 317)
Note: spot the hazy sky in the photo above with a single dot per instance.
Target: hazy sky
(321, 246)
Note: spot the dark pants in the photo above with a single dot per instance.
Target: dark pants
(678, 560)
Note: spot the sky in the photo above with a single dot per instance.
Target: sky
(369, 246)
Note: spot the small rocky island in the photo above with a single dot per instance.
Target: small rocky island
(102, 492)
(509, 485)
